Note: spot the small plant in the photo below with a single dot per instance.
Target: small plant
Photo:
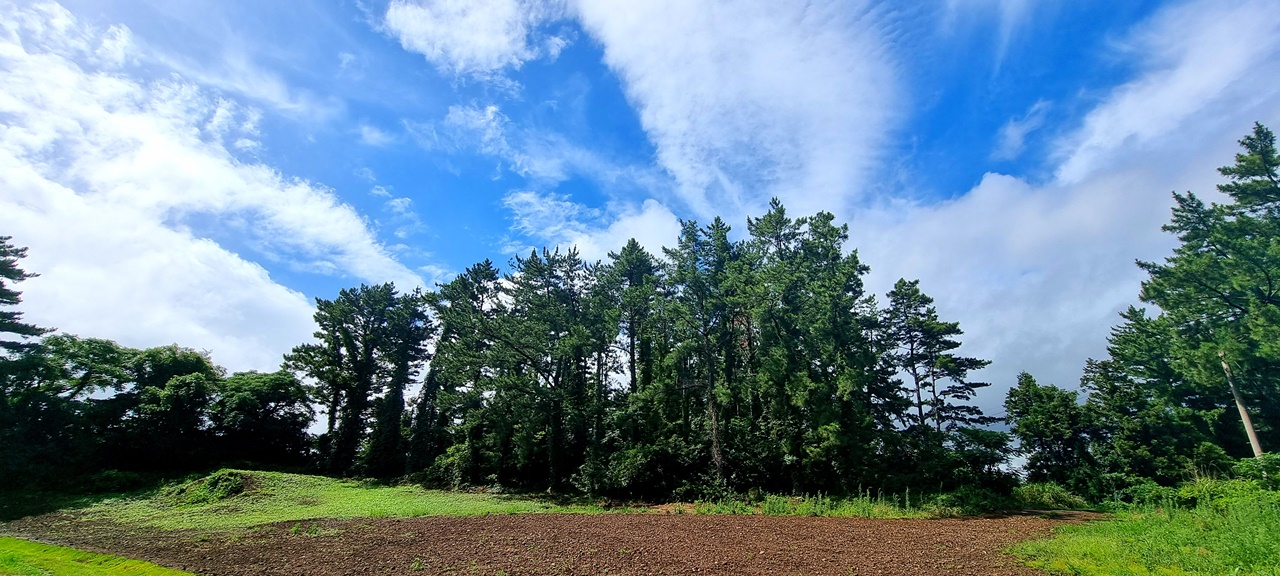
(416, 565)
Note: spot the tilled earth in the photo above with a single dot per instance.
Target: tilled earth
(570, 544)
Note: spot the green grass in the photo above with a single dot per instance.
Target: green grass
(20, 557)
(217, 503)
(1239, 534)
(851, 507)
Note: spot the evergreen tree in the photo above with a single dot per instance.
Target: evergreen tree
(11, 320)
(923, 352)
(1053, 431)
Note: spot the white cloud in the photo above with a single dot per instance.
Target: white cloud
(237, 72)
(400, 205)
(1035, 273)
(374, 136)
(345, 59)
(1199, 58)
(544, 157)
(746, 100)
(104, 177)
(478, 38)
(557, 221)
(1012, 14)
(1013, 135)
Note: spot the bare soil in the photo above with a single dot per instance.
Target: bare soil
(571, 544)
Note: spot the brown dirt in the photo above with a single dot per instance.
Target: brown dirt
(572, 544)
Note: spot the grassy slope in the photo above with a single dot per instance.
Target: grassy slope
(20, 557)
(279, 497)
(1239, 536)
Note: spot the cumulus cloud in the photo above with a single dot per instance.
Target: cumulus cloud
(748, 100)
(478, 38)
(105, 178)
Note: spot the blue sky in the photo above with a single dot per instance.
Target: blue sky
(197, 172)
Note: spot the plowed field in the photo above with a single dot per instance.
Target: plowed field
(570, 544)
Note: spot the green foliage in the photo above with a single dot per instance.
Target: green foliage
(1221, 528)
(371, 340)
(1053, 430)
(216, 487)
(1265, 470)
(971, 501)
(1047, 496)
(11, 320)
(20, 557)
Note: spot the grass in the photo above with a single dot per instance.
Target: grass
(238, 499)
(864, 506)
(231, 499)
(20, 557)
(1234, 534)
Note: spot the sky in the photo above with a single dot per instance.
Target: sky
(199, 172)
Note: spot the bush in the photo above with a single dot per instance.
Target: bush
(1265, 470)
(969, 501)
(1048, 496)
(1147, 492)
(215, 487)
(1219, 493)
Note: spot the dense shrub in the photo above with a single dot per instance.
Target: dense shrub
(215, 487)
(1048, 496)
(1265, 470)
(969, 501)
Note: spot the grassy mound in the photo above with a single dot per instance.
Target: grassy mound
(231, 499)
(20, 557)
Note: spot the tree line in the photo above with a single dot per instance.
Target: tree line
(1159, 408)
(719, 366)
(727, 365)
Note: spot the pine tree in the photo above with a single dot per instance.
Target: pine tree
(924, 344)
(11, 320)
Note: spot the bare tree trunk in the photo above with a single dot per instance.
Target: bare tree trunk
(1244, 414)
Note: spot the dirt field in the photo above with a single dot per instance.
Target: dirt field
(571, 544)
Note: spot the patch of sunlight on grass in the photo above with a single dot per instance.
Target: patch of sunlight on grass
(20, 557)
(279, 497)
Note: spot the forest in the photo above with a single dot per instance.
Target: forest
(729, 363)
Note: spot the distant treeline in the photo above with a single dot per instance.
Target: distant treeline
(724, 366)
